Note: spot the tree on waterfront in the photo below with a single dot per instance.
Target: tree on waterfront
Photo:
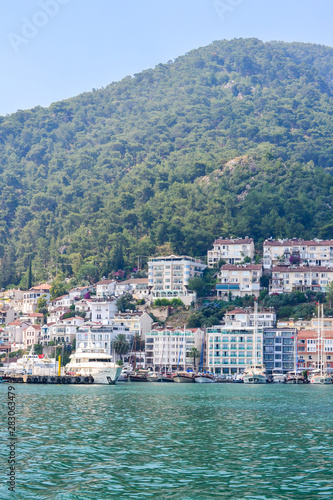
(121, 346)
(194, 353)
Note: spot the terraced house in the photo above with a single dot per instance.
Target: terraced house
(233, 251)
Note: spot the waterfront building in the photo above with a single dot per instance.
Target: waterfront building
(229, 350)
(279, 349)
(167, 349)
(169, 276)
(284, 252)
(233, 251)
(307, 350)
(243, 318)
(239, 280)
(292, 279)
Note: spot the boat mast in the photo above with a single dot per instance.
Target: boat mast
(318, 338)
(322, 340)
(254, 361)
(184, 340)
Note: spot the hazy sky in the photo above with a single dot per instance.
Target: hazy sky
(55, 49)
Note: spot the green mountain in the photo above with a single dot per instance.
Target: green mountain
(231, 139)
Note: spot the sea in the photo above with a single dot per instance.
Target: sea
(138, 441)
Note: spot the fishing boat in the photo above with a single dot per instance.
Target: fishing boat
(166, 377)
(139, 376)
(93, 361)
(319, 376)
(204, 378)
(183, 377)
(278, 377)
(255, 373)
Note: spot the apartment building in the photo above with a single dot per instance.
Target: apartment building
(292, 279)
(279, 349)
(138, 322)
(168, 276)
(307, 350)
(230, 350)
(167, 349)
(105, 288)
(244, 318)
(232, 251)
(285, 252)
(239, 280)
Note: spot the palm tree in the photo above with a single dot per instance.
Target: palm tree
(194, 353)
(121, 345)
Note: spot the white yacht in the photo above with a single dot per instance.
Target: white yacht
(35, 364)
(256, 373)
(318, 377)
(93, 361)
(278, 376)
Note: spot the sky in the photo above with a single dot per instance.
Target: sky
(55, 49)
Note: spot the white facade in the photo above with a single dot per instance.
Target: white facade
(233, 251)
(105, 288)
(102, 334)
(138, 287)
(244, 318)
(290, 279)
(239, 280)
(63, 301)
(168, 349)
(80, 291)
(169, 276)
(31, 297)
(31, 335)
(102, 311)
(7, 314)
(283, 252)
(230, 350)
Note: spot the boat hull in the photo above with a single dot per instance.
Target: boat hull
(204, 380)
(253, 378)
(165, 379)
(321, 379)
(181, 379)
(137, 378)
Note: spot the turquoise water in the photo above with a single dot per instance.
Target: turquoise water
(172, 441)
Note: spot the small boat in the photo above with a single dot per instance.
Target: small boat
(295, 378)
(139, 376)
(183, 377)
(166, 377)
(254, 375)
(154, 377)
(204, 378)
(318, 377)
(278, 377)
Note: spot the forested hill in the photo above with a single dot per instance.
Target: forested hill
(231, 139)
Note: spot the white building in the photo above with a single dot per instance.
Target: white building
(168, 349)
(105, 288)
(31, 297)
(7, 314)
(292, 279)
(102, 311)
(63, 301)
(62, 332)
(230, 350)
(102, 334)
(244, 318)
(283, 252)
(239, 280)
(233, 251)
(169, 276)
(15, 331)
(138, 287)
(80, 291)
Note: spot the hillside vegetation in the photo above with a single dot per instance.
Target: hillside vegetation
(231, 139)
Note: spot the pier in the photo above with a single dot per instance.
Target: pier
(48, 379)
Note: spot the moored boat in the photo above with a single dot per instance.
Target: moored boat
(318, 377)
(204, 378)
(93, 361)
(139, 376)
(278, 377)
(255, 373)
(295, 378)
(154, 377)
(183, 377)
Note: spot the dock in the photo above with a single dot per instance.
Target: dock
(48, 379)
